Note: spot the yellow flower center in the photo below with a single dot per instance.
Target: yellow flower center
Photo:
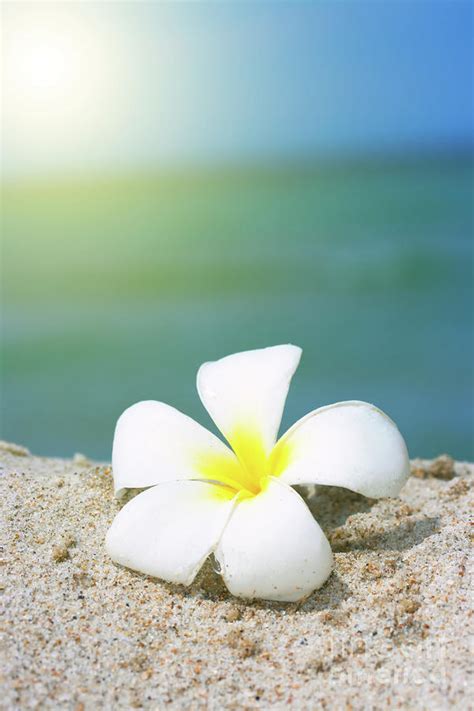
(248, 473)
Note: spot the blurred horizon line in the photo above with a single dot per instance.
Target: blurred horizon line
(458, 151)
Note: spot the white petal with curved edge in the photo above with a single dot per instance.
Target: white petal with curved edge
(169, 530)
(248, 390)
(272, 548)
(350, 444)
(154, 442)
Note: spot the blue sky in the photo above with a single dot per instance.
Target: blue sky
(167, 83)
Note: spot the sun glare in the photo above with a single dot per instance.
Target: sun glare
(57, 76)
(47, 69)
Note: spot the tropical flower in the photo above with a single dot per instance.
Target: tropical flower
(203, 497)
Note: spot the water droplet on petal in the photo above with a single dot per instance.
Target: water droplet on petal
(216, 566)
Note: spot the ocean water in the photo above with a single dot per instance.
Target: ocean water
(116, 289)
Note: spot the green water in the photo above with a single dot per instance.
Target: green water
(115, 290)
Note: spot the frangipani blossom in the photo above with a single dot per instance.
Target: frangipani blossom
(203, 497)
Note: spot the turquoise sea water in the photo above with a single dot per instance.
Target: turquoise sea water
(115, 290)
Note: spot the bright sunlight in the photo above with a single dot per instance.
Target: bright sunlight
(59, 74)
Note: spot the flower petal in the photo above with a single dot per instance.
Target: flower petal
(247, 391)
(272, 547)
(169, 530)
(350, 444)
(154, 443)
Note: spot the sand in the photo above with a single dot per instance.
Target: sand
(390, 629)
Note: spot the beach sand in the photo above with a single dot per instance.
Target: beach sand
(390, 628)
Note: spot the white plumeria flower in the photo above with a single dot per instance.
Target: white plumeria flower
(238, 503)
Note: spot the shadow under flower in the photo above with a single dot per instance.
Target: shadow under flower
(210, 586)
(400, 537)
(331, 506)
